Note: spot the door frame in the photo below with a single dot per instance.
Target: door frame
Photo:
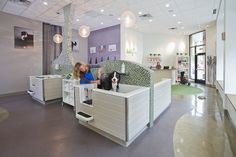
(195, 53)
(196, 71)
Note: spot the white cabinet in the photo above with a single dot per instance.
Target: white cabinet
(68, 91)
(45, 88)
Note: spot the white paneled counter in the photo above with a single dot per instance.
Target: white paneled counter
(45, 88)
(159, 74)
(121, 116)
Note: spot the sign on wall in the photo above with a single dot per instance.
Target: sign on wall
(112, 48)
(92, 49)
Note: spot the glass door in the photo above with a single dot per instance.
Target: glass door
(197, 54)
(200, 65)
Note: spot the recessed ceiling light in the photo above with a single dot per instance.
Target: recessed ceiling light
(118, 18)
(140, 13)
(182, 27)
(150, 20)
(174, 15)
(179, 22)
(102, 10)
(77, 20)
(45, 3)
(102, 23)
(167, 5)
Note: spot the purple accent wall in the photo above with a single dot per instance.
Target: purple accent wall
(105, 36)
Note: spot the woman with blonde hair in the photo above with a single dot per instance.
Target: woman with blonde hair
(82, 72)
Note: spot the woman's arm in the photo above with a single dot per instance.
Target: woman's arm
(96, 82)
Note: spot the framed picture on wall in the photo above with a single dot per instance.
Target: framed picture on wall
(75, 46)
(102, 48)
(92, 49)
(112, 48)
(23, 37)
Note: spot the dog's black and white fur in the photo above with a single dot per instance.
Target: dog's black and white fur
(111, 82)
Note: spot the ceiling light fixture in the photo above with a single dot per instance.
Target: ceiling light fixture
(150, 20)
(57, 38)
(84, 31)
(174, 15)
(102, 23)
(118, 18)
(102, 10)
(140, 13)
(182, 27)
(167, 5)
(45, 3)
(179, 22)
(128, 19)
(77, 20)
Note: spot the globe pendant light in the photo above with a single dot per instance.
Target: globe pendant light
(128, 19)
(57, 38)
(84, 31)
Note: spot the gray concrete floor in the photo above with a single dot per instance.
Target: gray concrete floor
(33, 130)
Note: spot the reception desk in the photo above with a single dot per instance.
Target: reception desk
(159, 74)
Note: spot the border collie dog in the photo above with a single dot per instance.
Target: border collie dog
(111, 82)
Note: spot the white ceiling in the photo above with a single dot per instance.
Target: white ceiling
(193, 14)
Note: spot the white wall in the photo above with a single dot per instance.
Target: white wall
(164, 44)
(230, 47)
(210, 48)
(131, 39)
(220, 44)
(17, 64)
(144, 44)
(81, 54)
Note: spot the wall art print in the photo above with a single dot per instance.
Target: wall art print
(112, 48)
(23, 37)
(92, 49)
(102, 48)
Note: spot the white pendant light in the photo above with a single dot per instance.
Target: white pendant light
(57, 38)
(128, 19)
(84, 31)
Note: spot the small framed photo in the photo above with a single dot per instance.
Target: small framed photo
(92, 49)
(112, 48)
(102, 48)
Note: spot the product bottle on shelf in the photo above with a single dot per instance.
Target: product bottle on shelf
(123, 68)
(96, 60)
(115, 58)
(101, 59)
(108, 58)
(90, 61)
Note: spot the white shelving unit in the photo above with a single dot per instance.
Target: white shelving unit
(152, 60)
(68, 91)
(185, 61)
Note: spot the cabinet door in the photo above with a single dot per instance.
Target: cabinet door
(109, 114)
(52, 88)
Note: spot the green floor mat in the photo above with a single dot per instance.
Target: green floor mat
(185, 90)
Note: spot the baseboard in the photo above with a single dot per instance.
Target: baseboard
(13, 94)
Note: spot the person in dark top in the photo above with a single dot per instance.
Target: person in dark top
(82, 72)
